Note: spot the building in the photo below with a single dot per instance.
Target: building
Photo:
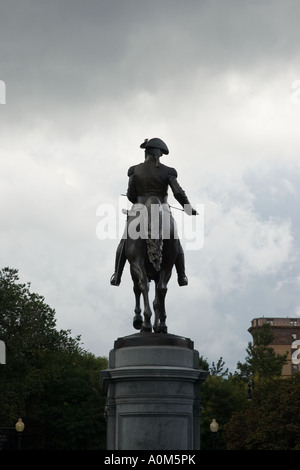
(286, 333)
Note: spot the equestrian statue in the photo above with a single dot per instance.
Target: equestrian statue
(150, 242)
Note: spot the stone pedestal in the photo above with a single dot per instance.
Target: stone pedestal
(153, 393)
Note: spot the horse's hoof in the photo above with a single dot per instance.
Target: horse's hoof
(161, 329)
(137, 322)
(147, 327)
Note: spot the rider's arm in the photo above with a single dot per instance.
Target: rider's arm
(179, 193)
(131, 190)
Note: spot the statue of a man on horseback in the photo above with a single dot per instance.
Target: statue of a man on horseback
(148, 186)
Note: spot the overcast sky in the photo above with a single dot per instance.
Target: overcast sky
(82, 85)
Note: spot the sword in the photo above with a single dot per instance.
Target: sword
(173, 207)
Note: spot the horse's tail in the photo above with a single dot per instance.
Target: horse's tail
(154, 238)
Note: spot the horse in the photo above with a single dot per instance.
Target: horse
(151, 250)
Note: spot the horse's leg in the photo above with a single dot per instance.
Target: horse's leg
(156, 310)
(159, 302)
(143, 286)
(137, 319)
(146, 326)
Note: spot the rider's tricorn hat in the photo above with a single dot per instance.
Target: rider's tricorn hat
(155, 144)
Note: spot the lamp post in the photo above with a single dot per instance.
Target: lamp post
(19, 428)
(249, 392)
(214, 427)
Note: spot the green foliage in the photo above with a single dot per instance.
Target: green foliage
(203, 364)
(48, 379)
(271, 420)
(220, 398)
(245, 425)
(219, 368)
(262, 363)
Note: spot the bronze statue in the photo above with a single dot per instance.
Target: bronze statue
(152, 258)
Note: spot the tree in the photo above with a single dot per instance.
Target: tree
(271, 420)
(68, 414)
(219, 369)
(49, 379)
(262, 363)
(203, 364)
(223, 395)
(220, 397)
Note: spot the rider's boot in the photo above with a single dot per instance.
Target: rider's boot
(180, 268)
(115, 279)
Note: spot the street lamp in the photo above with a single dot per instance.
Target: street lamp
(249, 392)
(19, 428)
(214, 427)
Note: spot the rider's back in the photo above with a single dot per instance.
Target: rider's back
(148, 179)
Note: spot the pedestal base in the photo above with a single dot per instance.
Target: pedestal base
(153, 393)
